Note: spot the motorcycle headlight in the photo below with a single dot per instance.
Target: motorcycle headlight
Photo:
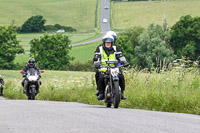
(32, 78)
(114, 72)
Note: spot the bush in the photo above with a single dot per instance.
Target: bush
(9, 47)
(79, 66)
(51, 52)
(128, 40)
(33, 24)
(185, 37)
(153, 49)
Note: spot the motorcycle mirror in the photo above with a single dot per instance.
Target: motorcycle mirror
(41, 71)
(22, 72)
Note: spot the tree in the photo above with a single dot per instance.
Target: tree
(153, 48)
(33, 24)
(185, 37)
(51, 52)
(128, 40)
(9, 47)
(126, 48)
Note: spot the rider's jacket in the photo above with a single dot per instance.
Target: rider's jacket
(1, 81)
(104, 54)
(27, 67)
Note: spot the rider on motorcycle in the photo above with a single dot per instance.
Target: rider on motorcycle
(31, 64)
(1, 86)
(104, 51)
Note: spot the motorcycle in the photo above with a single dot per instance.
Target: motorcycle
(32, 77)
(112, 90)
(1, 89)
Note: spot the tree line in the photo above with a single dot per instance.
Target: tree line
(36, 24)
(158, 44)
(155, 46)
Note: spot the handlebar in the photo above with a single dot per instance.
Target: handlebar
(112, 66)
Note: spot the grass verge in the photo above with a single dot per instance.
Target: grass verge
(173, 91)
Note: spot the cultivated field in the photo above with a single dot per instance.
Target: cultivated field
(80, 14)
(130, 14)
(74, 37)
(82, 53)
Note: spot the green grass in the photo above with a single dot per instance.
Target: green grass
(80, 14)
(74, 37)
(22, 58)
(130, 14)
(172, 91)
(82, 53)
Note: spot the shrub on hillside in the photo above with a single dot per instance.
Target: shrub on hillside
(128, 40)
(9, 47)
(51, 52)
(153, 48)
(185, 37)
(79, 66)
(33, 24)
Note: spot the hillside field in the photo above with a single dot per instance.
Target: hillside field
(79, 14)
(74, 37)
(130, 14)
(82, 53)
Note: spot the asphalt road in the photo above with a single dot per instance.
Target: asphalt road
(105, 14)
(19, 116)
(105, 27)
(2, 98)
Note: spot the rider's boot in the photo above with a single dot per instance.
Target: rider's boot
(37, 89)
(25, 86)
(100, 96)
(123, 97)
(97, 93)
(24, 90)
(1, 91)
(38, 86)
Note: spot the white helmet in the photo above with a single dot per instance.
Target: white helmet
(107, 38)
(112, 33)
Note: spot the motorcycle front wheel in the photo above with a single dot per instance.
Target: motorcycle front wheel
(116, 96)
(33, 93)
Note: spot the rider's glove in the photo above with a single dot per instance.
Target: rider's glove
(125, 64)
(97, 65)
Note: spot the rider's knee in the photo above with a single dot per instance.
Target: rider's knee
(39, 82)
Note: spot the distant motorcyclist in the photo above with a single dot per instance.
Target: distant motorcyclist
(31, 64)
(104, 51)
(1, 86)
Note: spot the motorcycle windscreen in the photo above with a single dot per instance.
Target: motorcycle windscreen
(32, 71)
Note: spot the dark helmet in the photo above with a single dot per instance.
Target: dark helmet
(31, 62)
